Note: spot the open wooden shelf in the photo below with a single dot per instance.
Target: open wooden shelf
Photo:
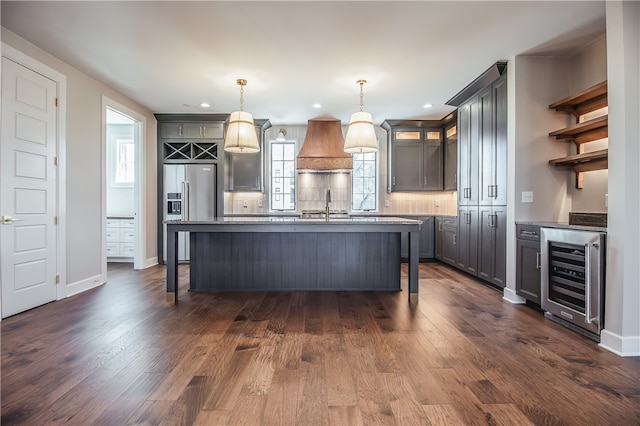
(578, 104)
(587, 131)
(591, 99)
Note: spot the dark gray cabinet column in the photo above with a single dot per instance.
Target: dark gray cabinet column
(467, 240)
(528, 279)
(468, 153)
(492, 238)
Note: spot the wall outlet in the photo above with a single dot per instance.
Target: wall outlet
(245, 204)
(386, 203)
(606, 200)
(527, 196)
(437, 203)
(260, 204)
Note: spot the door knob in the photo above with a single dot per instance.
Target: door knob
(8, 219)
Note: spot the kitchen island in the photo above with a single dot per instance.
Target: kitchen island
(289, 253)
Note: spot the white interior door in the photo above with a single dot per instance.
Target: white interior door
(27, 189)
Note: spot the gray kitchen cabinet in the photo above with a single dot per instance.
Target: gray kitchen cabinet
(468, 128)
(467, 239)
(492, 239)
(427, 241)
(245, 171)
(416, 159)
(446, 235)
(191, 130)
(451, 158)
(528, 278)
(492, 103)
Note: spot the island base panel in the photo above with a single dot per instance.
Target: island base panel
(239, 261)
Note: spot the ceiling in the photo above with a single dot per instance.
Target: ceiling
(171, 56)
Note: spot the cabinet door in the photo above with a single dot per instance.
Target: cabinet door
(486, 178)
(192, 130)
(407, 166)
(213, 130)
(438, 239)
(432, 165)
(485, 243)
(467, 240)
(499, 258)
(449, 245)
(451, 159)
(500, 141)
(245, 172)
(528, 280)
(427, 250)
(468, 153)
(171, 130)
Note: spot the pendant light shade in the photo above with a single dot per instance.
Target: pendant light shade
(361, 135)
(241, 136)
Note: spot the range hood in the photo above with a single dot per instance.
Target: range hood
(323, 147)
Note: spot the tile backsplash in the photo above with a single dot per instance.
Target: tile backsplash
(312, 189)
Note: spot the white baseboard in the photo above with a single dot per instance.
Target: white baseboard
(152, 261)
(620, 345)
(510, 296)
(84, 285)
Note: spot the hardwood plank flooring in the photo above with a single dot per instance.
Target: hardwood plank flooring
(119, 354)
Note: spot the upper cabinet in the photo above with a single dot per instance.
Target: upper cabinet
(418, 158)
(189, 138)
(482, 147)
(245, 171)
(584, 131)
(451, 157)
(190, 130)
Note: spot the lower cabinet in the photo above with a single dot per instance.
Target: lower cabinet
(427, 249)
(120, 239)
(467, 240)
(492, 244)
(446, 235)
(528, 278)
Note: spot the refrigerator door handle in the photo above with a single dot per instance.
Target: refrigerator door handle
(185, 200)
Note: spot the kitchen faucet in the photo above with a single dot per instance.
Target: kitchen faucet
(327, 201)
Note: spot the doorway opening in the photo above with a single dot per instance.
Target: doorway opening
(122, 175)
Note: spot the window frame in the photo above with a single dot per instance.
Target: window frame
(272, 178)
(376, 178)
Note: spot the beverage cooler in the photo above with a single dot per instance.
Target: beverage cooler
(189, 194)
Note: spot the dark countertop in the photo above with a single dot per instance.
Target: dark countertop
(562, 225)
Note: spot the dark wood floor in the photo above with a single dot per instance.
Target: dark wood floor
(119, 354)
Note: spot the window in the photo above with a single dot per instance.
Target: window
(125, 162)
(283, 175)
(364, 182)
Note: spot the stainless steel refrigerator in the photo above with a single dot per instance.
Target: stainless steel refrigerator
(189, 194)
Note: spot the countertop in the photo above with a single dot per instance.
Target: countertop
(563, 225)
(237, 220)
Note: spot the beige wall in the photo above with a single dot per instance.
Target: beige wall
(84, 164)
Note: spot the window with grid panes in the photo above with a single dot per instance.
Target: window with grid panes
(283, 175)
(364, 182)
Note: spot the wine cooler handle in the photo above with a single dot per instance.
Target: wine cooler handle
(589, 284)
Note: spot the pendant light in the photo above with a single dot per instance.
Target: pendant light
(361, 135)
(241, 136)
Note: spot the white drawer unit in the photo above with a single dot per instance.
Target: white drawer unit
(121, 238)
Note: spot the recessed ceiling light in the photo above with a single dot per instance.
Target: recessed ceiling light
(317, 105)
(427, 105)
(205, 105)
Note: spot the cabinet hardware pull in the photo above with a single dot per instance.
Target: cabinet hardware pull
(528, 232)
(455, 239)
(538, 263)
(425, 181)
(179, 130)
(394, 181)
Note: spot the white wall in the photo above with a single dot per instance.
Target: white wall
(622, 316)
(84, 165)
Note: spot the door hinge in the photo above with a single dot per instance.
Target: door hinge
(55, 161)
(55, 220)
(57, 279)
(57, 102)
